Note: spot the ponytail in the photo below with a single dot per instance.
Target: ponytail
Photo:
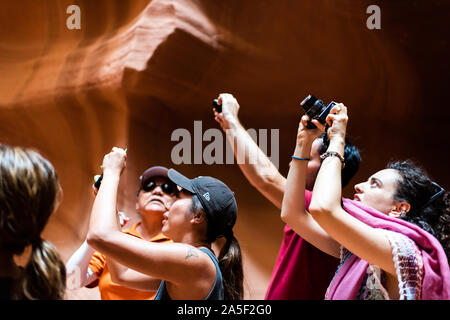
(230, 263)
(44, 277)
(230, 258)
(29, 188)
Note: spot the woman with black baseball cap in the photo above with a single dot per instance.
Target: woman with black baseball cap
(204, 211)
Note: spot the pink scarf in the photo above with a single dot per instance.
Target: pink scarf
(436, 279)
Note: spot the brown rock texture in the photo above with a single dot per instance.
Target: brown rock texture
(137, 70)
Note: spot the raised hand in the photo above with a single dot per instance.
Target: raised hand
(230, 108)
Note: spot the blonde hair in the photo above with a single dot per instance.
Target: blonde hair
(29, 188)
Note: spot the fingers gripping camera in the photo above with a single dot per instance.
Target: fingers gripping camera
(316, 109)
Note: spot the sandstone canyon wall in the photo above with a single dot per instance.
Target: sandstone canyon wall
(139, 69)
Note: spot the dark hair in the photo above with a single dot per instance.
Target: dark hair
(416, 188)
(352, 158)
(28, 190)
(230, 259)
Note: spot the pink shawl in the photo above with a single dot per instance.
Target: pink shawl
(436, 278)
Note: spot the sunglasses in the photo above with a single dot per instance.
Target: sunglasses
(166, 187)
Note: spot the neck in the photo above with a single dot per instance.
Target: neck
(151, 224)
(194, 240)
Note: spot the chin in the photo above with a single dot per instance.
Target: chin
(155, 207)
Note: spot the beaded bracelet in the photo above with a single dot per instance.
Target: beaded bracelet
(333, 154)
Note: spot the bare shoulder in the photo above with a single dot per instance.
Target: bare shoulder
(192, 252)
(195, 254)
(199, 262)
(197, 277)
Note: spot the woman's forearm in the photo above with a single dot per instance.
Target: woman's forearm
(368, 243)
(327, 192)
(256, 165)
(78, 266)
(294, 194)
(293, 210)
(103, 222)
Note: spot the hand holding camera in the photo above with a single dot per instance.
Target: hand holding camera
(98, 178)
(337, 121)
(316, 109)
(114, 160)
(216, 106)
(226, 110)
(331, 118)
(305, 135)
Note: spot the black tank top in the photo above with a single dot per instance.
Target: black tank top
(216, 292)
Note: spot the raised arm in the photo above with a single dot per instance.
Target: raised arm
(78, 272)
(123, 275)
(175, 262)
(257, 167)
(293, 210)
(368, 243)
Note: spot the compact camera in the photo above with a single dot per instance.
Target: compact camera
(98, 181)
(316, 109)
(217, 106)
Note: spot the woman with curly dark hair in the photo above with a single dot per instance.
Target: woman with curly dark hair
(430, 203)
(392, 238)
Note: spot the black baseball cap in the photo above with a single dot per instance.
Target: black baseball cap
(216, 198)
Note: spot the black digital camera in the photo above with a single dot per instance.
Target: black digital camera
(217, 106)
(98, 182)
(316, 109)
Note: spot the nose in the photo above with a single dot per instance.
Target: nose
(157, 190)
(166, 214)
(359, 188)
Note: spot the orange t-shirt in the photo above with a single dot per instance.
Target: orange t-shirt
(112, 291)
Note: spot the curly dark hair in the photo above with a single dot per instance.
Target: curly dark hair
(416, 188)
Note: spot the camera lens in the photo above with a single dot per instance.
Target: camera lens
(308, 102)
(312, 106)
